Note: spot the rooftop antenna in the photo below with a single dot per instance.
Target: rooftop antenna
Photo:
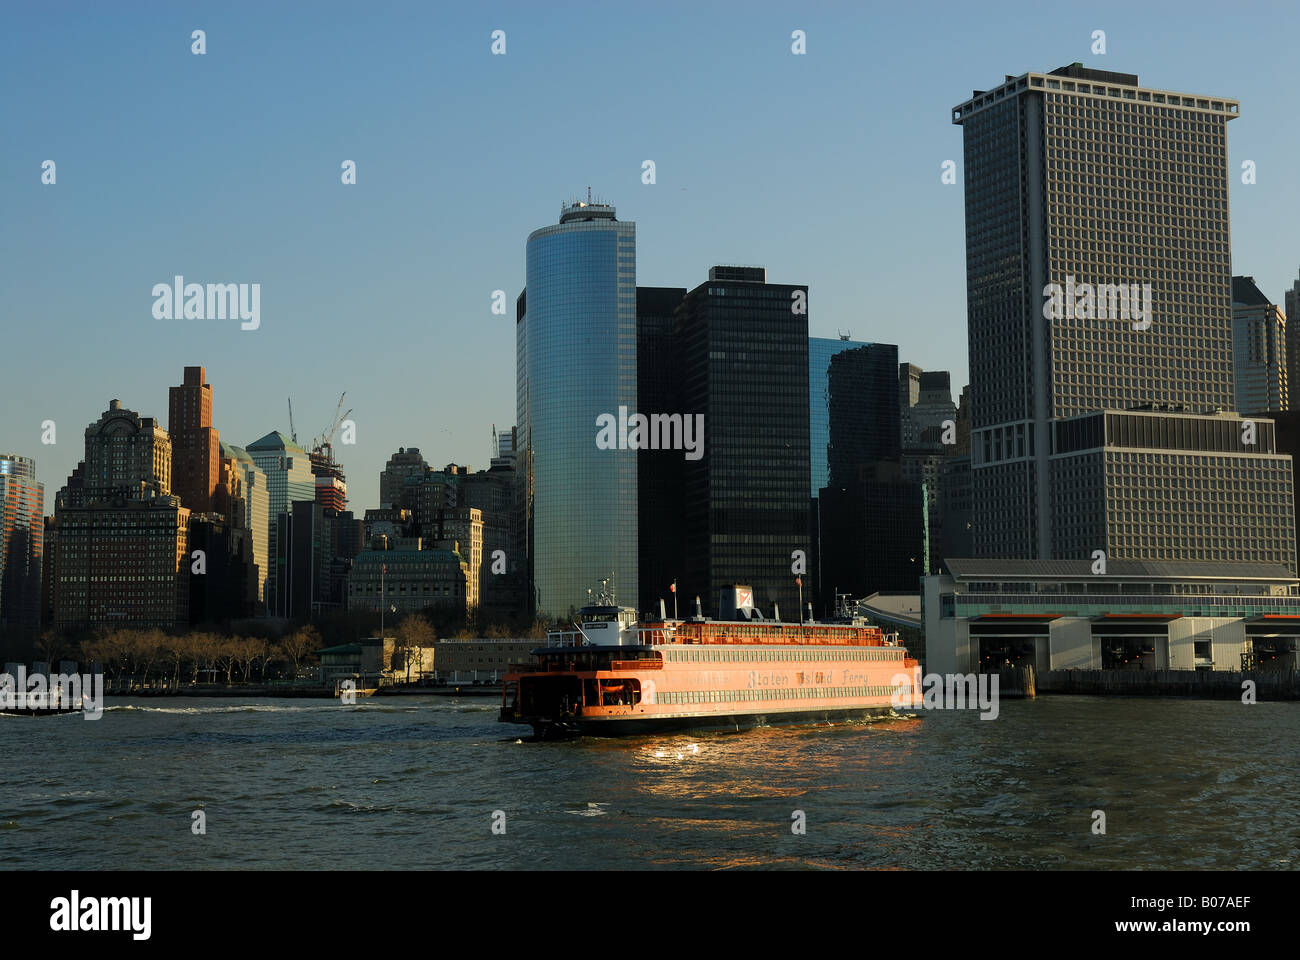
(845, 334)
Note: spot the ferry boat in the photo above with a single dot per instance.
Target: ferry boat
(612, 675)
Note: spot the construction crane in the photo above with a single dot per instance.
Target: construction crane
(326, 440)
(292, 432)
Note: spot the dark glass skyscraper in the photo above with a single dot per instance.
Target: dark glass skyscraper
(576, 340)
(743, 352)
(871, 523)
(659, 472)
(820, 351)
(861, 410)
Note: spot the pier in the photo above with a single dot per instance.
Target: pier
(1199, 684)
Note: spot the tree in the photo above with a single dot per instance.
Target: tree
(174, 654)
(416, 635)
(149, 648)
(250, 650)
(50, 645)
(299, 645)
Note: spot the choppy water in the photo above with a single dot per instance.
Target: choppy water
(413, 782)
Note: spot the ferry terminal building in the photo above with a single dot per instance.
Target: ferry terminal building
(983, 614)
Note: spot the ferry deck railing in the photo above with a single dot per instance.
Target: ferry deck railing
(668, 633)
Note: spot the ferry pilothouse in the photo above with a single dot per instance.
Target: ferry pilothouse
(612, 675)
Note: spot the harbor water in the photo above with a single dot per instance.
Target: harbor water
(437, 782)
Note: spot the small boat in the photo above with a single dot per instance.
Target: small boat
(47, 704)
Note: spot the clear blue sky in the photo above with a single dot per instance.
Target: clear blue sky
(225, 168)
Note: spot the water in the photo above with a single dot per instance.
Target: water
(412, 782)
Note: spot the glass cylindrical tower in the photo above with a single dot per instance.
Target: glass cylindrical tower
(577, 346)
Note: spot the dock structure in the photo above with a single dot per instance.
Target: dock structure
(1017, 682)
(1194, 684)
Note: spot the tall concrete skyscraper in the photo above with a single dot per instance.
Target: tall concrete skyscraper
(22, 537)
(1259, 356)
(196, 444)
(576, 351)
(1100, 328)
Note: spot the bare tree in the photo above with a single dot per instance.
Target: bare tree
(299, 645)
(416, 635)
(267, 654)
(148, 645)
(225, 652)
(197, 646)
(250, 650)
(50, 645)
(174, 649)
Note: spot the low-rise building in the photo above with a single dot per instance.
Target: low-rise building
(481, 658)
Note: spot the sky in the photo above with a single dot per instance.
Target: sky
(225, 167)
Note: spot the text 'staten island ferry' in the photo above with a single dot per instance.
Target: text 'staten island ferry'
(612, 676)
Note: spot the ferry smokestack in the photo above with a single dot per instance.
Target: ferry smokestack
(811, 619)
(663, 614)
(776, 612)
(698, 612)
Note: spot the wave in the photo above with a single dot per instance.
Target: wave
(234, 708)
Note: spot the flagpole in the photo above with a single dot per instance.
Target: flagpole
(674, 599)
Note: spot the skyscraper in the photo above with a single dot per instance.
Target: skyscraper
(1100, 328)
(659, 472)
(743, 348)
(576, 342)
(820, 351)
(256, 514)
(195, 443)
(121, 537)
(22, 538)
(406, 462)
(289, 479)
(1291, 302)
(862, 411)
(929, 404)
(871, 522)
(1259, 357)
